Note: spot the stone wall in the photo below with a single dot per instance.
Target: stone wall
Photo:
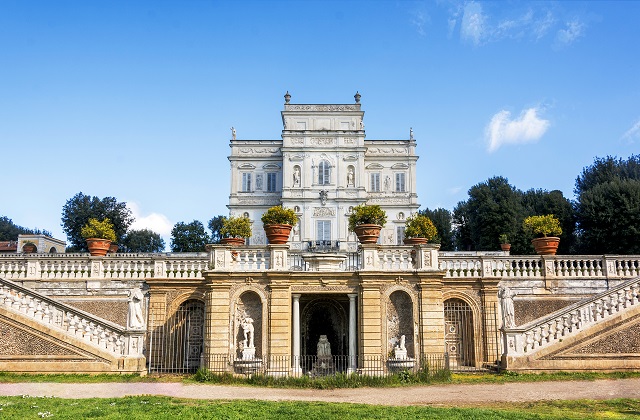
(526, 310)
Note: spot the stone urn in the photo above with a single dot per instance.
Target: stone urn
(233, 241)
(98, 247)
(547, 245)
(278, 234)
(29, 248)
(368, 234)
(113, 248)
(415, 241)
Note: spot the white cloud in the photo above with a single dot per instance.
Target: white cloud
(156, 222)
(419, 20)
(542, 26)
(633, 133)
(574, 30)
(473, 27)
(503, 130)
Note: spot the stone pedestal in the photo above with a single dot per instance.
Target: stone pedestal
(249, 353)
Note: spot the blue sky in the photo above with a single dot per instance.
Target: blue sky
(134, 99)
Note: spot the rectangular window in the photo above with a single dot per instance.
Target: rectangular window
(375, 182)
(324, 172)
(271, 182)
(400, 182)
(246, 182)
(323, 232)
(400, 235)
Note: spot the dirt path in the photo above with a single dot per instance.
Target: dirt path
(459, 395)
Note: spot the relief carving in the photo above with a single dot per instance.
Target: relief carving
(324, 212)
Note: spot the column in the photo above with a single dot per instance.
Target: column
(352, 333)
(296, 334)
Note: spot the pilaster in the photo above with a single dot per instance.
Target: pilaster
(431, 308)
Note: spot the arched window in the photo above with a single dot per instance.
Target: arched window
(324, 172)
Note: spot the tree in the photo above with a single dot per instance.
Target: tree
(215, 225)
(608, 206)
(9, 231)
(189, 237)
(80, 208)
(143, 240)
(442, 220)
(494, 208)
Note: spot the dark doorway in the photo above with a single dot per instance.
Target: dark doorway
(324, 316)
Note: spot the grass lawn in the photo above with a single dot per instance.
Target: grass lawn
(164, 407)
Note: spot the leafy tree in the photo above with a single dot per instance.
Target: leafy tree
(215, 225)
(442, 219)
(188, 237)
(9, 231)
(143, 240)
(494, 207)
(607, 207)
(80, 208)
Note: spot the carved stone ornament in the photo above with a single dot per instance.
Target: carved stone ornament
(322, 107)
(324, 212)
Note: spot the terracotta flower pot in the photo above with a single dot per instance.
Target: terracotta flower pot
(505, 247)
(415, 241)
(547, 245)
(278, 234)
(113, 248)
(98, 247)
(29, 248)
(368, 234)
(233, 241)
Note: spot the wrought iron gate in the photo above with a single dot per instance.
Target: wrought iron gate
(176, 346)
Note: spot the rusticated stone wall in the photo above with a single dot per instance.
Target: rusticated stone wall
(18, 342)
(527, 310)
(110, 309)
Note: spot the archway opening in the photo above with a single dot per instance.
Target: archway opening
(459, 333)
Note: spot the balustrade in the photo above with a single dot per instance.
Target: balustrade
(84, 326)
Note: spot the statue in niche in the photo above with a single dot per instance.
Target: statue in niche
(350, 178)
(233, 133)
(506, 304)
(136, 316)
(259, 182)
(248, 330)
(387, 183)
(296, 176)
(361, 124)
(324, 347)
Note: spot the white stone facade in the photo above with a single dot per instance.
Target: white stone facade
(322, 167)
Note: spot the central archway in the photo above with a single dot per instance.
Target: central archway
(324, 316)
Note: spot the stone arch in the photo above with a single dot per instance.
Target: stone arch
(463, 329)
(175, 303)
(333, 319)
(248, 301)
(53, 250)
(401, 309)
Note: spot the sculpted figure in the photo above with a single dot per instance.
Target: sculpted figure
(387, 183)
(136, 315)
(403, 342)
(506, 304)
(350, 177)
(247, 328)
(411, 133)
(324, 347)
(296, 177)
(233, 133)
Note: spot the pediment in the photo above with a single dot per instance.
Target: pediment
(246, 166)
(271, 166)
(400, 166)
(374, 166)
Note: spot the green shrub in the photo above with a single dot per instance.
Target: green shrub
(367, 215)
(278, 215)
(540, 226)
(420, 226)
(236, 227)
(97, 229)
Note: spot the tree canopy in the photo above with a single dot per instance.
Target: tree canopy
(80, 208)
(143, 240)
(215, 224)
(442, 220)
(189, 237)
(608, 206)
(9, 231)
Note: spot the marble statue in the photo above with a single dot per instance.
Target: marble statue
(403, 342)
(387, 183)
(233, 133)
(410, 133)
(324, 347)
(350, 178)
(506, 304)
(296, 177)
(247, 328)
(136, 316)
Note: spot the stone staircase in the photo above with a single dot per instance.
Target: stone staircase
(598, 333)
(41, 334)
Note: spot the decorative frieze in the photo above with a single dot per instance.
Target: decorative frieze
(322, 107)
(322, 141)
(324, 212)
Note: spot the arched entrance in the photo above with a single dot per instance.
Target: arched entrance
(459, 334)
(324, 316)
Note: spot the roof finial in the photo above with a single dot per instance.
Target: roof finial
(287, 97)
(357, 96)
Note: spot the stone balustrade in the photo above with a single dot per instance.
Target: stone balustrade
(20, 267)
(92, 330)
(528, 338)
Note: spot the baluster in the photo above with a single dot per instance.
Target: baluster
(528, 341)
(72, 324)
(565, 325)
(23, 304)
(545, 333)
(574, 321)
(537, 337)
(627, 273)
(46, 315)
(552, 330)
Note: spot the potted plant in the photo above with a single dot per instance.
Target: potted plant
(546, 229)
(278, 222)
(505, 245)
(367, 221)
(235, 230)
(29, 247)
(99, 235)
(419, 230)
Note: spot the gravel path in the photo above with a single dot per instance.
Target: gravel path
(459, 395)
